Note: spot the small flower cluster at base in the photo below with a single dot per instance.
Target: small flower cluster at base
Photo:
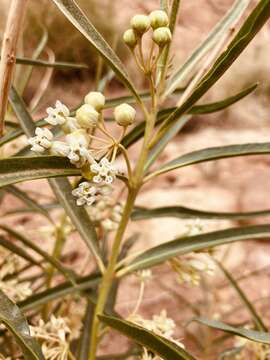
(191, 267)
(13, 288)
(88, 193)
(252, 350)
(160, 325)
(54, 337)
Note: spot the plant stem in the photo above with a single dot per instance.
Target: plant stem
(8, 54)
(109, 273)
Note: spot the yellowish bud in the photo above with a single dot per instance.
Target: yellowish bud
(140, 24)
(159, 18)
(95, 99)
(124, 114)
(162, 36)
(130, 38)
(87, 116)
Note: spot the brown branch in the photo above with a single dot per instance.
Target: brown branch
(8, 54)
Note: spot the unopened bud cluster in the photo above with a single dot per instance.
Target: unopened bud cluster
(158, 21)
(96, 165)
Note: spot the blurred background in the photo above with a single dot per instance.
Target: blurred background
(240, 184)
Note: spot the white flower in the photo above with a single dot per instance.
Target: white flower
(54, 336)
(78, 142)
(42, 140)
(164, 325)
(87, 116)
(60, 148)
(105, 171)
(88, 193)
(57, 115)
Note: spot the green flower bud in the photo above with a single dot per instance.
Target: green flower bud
(96, 100)
(130, 38)
(162, 36)
(158, 18)
(124, 114)
(87, 116)
(140, 24)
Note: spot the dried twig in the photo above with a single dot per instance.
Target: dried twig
(8, 54)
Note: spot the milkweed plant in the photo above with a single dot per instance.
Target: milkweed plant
(50, 310)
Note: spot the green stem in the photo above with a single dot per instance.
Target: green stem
(110, 272)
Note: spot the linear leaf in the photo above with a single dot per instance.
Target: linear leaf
(27, 200)
(223, 104)
(248, 31)
(18, 169)
(58, 292)
(258, 322)
(214, 153)
(61, 187)
(137, 132)
(14, 320)
(181, 246)
(86, 333)
(182, 212)
(159, 345)
(18, 251)
(75, 15)
(257, 336)
(43, 63)
(222, 27)
(68, 274)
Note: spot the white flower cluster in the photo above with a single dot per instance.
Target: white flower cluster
(13, 288)
(96, 162)
(54, 337)
(106, 213)
(160, 325)
(252, 350)
(190, 267)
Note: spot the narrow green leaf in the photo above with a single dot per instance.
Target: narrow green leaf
(181, 246)
(137, 132)
(210, 154)
(59, 292)
(68, 274)
(14, 320)
(86, 333)
(255, 316)
(185, 71)
(18, 169)
(182, 212)
(223, 104)
(75, 15)
(257, 336)
(18, 251)
(159, 345)
(164, 140)
(43, 63)
(248, 31)
(27, 200)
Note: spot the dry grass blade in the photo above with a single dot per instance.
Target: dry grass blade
(8, 54)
